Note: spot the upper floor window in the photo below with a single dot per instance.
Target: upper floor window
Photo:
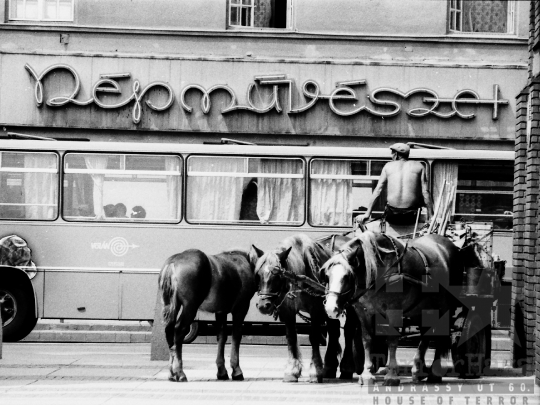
(481, 16)
(259, 13)
(41, 10)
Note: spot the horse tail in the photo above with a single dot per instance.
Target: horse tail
(168, 293)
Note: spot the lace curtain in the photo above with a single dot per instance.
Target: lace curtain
(263, 13)
(40, 189)
(278, 199)
(215, 198)
(485, 16)
(331, 199)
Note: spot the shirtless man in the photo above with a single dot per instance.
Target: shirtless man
(407, 188)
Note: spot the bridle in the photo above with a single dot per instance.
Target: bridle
(276, 271)
(341, 294)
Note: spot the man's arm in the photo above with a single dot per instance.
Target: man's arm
(425, 193)
(376, 193)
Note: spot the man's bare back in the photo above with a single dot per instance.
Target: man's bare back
(404, 183)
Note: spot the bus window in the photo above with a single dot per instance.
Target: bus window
(341, 188)
(107, 187)
(245, 190)
(28, 185)
(484, 190)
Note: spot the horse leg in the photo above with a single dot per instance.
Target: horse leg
(348, 364)
(238, 320)
(293, 370)
(391, 377)
(366, 377)
(316, 366)
(181, 329)
(221, 322)
(332, 349)
(436, 371)
(419, 370)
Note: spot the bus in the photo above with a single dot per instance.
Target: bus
(100, 218)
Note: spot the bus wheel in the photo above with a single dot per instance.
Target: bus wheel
(470, 346)
(193, 332)
(18, 317)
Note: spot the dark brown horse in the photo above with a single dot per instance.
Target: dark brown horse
(283, 297)
(220, 284)
(386, 281)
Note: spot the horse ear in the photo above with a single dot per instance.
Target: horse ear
(254, 255)
(283, 255)
(256, 251)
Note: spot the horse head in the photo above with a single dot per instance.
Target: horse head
(348, 271)
(269, 268)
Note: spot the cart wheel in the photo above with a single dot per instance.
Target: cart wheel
(193, 332)
(470, 346)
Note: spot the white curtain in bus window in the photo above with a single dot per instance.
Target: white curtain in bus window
(245, 189)
(122, 187)
(444, 172)
(331, 193)
(215, 187)
(28, 185)
(280, 191)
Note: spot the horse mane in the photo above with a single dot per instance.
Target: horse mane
(369, 245)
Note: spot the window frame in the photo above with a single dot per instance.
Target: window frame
(454, 10)
(59, 183)
(40, 18)
(353, 177)
(480, 217)
(129, 220)
(287, 28)
(255, 223)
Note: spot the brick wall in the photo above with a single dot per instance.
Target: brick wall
(525, 323)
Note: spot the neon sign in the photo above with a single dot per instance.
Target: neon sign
(343, 92)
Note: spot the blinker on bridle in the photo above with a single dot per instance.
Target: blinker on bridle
(276, 271)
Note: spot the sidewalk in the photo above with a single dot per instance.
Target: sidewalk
(53, 330)
(96, 374)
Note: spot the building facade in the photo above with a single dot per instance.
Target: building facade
(357, 73)
(526, 275)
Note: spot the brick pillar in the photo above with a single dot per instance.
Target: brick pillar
(517, 328)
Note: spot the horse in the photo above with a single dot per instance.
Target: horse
(220, 284)
(284, 297)
(386, 281)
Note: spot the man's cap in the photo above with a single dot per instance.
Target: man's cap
(401, 148)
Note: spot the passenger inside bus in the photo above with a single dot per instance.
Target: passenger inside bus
(120, 210)
(138, 212)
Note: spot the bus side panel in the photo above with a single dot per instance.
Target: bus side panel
(138, 295)
(81, 295)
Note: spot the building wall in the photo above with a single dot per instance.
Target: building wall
(525, 324)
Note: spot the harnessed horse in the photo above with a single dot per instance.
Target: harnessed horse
(384, 281)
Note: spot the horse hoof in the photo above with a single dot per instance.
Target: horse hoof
(391, 382)
(315, 379)
(434, 379)
(329, 374)
(177, 378)
(239, 377)
(290, 378)
(223, 377)
(345, 376)
(366, 380)
(418, 378)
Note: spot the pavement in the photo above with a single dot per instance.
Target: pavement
(122, 373)
(94, 331)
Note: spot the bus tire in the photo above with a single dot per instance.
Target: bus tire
(470, 346)
(18, 317)
(193, 332)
